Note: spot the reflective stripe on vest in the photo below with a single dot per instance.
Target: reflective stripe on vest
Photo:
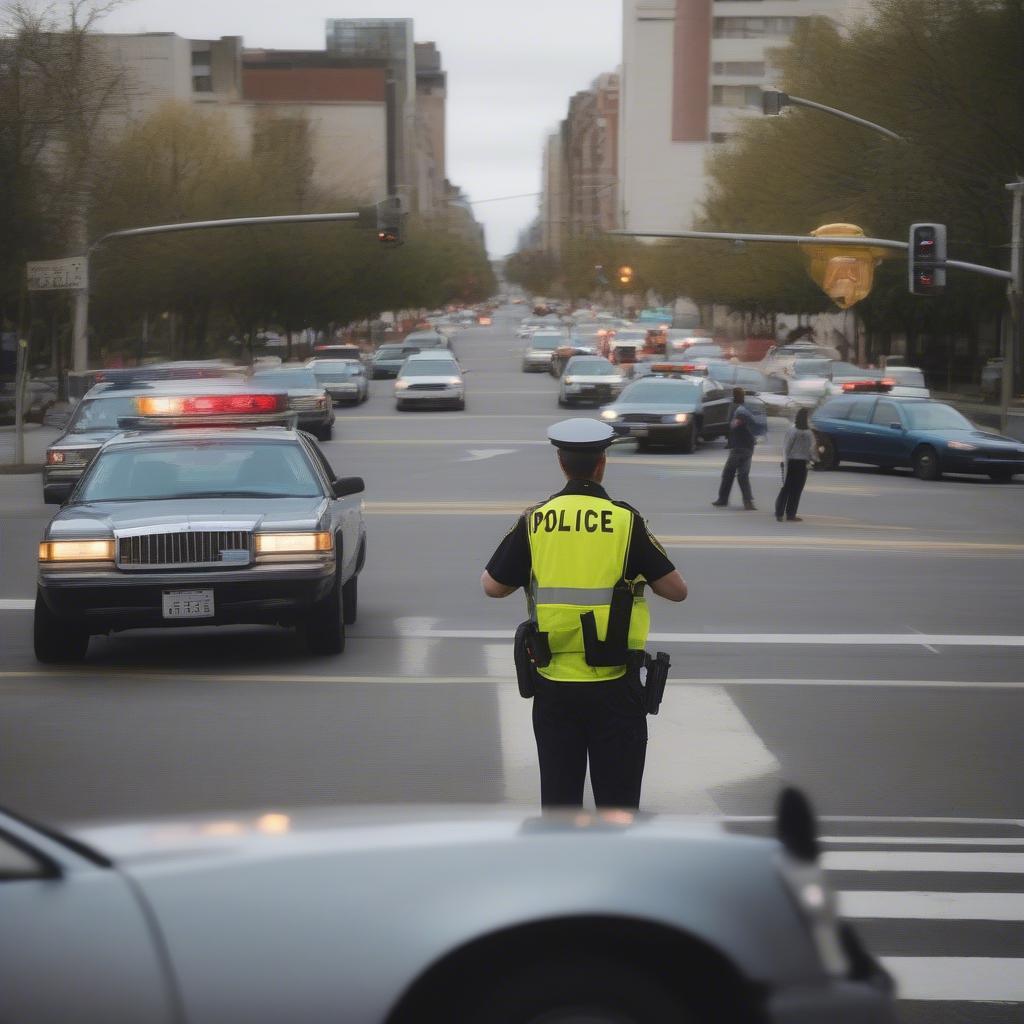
(578, 549)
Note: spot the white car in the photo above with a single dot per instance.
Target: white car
(590, 379)
(540, 350)
(430, 378)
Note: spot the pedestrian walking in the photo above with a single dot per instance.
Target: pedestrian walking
(583, 560)
(797, 452)
(740, 442)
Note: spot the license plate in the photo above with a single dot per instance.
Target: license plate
(638, 431)
(188, 604)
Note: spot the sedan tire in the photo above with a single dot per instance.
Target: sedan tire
(325, 627)
(688, 441)
(828, 457)
(926, 463)
(350, 600)
(55, 640)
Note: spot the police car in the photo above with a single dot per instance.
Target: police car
(202, 515)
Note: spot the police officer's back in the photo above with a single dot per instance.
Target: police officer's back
(583, 560)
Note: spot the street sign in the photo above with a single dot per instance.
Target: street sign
(58, 275)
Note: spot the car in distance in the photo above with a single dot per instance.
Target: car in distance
(393, 915)
(930, 437)
(388, 360)
(425, 339)
(352, 353)
(307, 397)
(589, 379)
(541, 349)
(674, 410)
(344, 380)
(430, 378)
(202, 526)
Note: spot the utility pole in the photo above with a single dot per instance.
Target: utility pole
(1012, 336)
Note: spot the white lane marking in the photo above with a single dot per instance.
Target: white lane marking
(479, 454)
(923, 860)
(933, 906)
(700, 743)
(890, 819)
(921, 840)
(958, 978)
(912, 630)
(17, 604)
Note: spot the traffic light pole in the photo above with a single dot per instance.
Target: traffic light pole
(1012, 338)
(80, 328)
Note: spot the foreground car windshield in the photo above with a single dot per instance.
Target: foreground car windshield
(662, 393)
(191, 470)
(288, 379)
(430, 368)
(100, 414)
(936, 417)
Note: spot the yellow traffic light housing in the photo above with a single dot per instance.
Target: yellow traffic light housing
(625, 275)
(845, 273)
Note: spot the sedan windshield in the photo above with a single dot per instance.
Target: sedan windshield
(662, 393)
(388, 352)
(336, 370)
(290, 380)
(429, 368)
(933, 416)
(197, 470)
(100, 413)
(592, 368)
(546, 342)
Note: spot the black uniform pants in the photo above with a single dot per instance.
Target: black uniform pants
(601, 722)
(788, 500)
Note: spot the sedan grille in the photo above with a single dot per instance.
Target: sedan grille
(192, 549)
(303, 404)
(640, 417)
(427, 387)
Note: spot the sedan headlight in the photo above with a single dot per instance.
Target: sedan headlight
(962, 446)
(681, 417)
(609, 414)
(570, 380)
(68, 457)
(294, 543)
(76, 551)
(453, 381)
(401, 385)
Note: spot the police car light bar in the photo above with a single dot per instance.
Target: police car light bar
(678, 368)
(861, 386)
(211, 405)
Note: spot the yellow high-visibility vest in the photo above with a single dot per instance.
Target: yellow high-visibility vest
(578, 549)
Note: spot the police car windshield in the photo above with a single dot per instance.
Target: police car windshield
(288, 379)
(224, 469)
(933, 416)
(592, 368)
(662, 392)
(429, 368)
(100, 413)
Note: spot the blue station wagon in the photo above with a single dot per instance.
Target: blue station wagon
(931, 438)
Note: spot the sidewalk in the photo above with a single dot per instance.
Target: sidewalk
(37, 439)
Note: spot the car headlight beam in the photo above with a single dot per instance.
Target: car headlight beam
(294, 543)
(76, 551)
(609, 414)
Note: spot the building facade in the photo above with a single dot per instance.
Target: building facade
(692, 71)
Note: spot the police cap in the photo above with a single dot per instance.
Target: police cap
(581, 435)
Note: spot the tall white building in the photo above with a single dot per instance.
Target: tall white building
(692, 70)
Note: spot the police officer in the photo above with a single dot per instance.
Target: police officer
(576, 554)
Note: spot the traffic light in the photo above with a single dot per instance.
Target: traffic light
(845, 273)
(390, 226)
(926, 259)
(625, 275)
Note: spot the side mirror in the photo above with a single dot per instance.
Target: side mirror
(896, 426)
(57, 494)
(346, 485)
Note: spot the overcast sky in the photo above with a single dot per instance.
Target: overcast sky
(512, 67)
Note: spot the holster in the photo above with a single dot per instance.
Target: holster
(530, 651)
(614, 649)
(657, 677)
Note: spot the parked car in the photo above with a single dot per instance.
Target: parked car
(930, 437)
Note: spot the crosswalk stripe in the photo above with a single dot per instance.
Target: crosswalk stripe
(922, 840)
(958, 978)
(923, 860)
(932, 906)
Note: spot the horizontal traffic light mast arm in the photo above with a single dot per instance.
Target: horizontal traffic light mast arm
(852, 240)
(234, 222)
(798, 101)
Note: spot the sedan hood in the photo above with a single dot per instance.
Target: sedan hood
(596, 378)
(107, 517)
(660, 409)
(85, 438)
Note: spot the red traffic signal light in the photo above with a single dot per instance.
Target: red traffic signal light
(926, 259)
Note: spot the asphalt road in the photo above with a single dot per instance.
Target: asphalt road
(872, 654)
